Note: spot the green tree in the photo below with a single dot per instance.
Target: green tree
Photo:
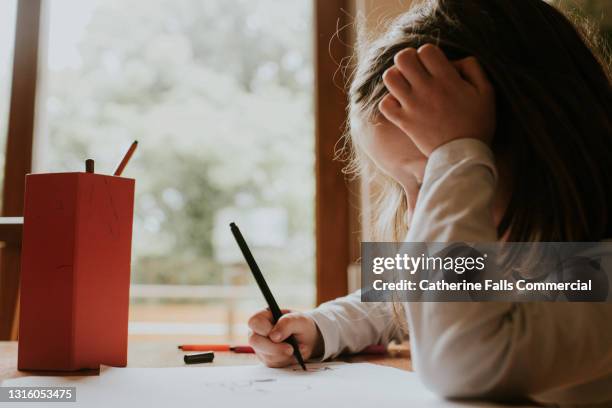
(219, 95)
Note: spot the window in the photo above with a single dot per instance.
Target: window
(219, 95)
(7, 34)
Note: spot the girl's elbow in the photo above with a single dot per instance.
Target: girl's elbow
(452, 377)
(448, 380)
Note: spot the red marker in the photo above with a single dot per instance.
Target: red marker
(126, 159)
(216, 347)
(373, 349)
(243, 349)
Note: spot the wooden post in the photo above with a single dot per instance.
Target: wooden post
(18, 150)
(332, 197)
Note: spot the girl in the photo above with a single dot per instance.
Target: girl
(490, 120)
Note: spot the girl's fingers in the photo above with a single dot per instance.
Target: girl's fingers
(263, 345)
(286, 326)
(410, 66)
(389, 106)
(391, 109)
(436, 62)
(396, 84)
(261, 322)
(471, 70)
(273, 362)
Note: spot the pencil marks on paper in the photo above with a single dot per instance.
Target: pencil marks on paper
(312, 369)
(257, 386)
(297, 382)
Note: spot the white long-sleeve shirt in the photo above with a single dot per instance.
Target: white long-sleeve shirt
(552, 352)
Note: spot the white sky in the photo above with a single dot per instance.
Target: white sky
(7, 35)
(68, 20)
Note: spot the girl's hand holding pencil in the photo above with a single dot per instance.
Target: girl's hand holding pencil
(267, 339)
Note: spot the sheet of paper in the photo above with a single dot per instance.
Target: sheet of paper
(323, 385)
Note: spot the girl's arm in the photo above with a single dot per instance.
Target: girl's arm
(497, 349)
(342, 325)
(348, 326)
(553, 351)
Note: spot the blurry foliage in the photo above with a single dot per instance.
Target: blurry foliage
(219, 96)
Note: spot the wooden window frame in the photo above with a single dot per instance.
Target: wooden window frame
(18, 163)
(335, 214)
(334, 218)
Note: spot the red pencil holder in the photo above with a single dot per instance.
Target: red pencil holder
(75, 272)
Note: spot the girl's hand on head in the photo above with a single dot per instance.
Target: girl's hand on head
(267, 338)
(435, 101)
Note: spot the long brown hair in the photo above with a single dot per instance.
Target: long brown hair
(554, 100)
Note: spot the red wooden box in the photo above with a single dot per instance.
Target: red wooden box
(75, 272)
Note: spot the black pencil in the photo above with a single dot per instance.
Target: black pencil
(263, 286)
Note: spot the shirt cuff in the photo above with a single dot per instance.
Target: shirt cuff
(457, 151)
(329, 333)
